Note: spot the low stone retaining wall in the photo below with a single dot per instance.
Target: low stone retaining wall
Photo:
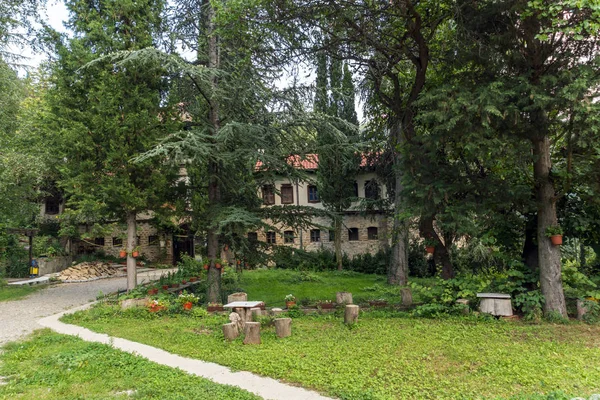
(54, 264)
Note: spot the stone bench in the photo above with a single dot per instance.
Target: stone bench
(497, 304)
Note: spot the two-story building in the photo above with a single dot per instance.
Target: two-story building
(363, 231)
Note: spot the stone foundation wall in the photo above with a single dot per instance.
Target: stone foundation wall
(49, 265)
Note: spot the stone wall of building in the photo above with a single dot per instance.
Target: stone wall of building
(154, 246)
(364, 244)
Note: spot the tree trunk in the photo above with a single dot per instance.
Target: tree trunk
(530, 247)
(337, 224)
(549, 255)
(397, 273)
(214, 197)
(131, 244)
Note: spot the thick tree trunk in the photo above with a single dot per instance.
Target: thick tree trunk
(530, 247)
(337, 224)
(131, 244)
(214, 196)
(397, 273)
(549, 255)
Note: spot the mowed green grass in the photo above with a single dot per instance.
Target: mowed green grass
(13, 292)
(386, 355)
(53, 366)
(273, 285)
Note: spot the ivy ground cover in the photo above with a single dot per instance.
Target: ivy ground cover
(52, 366)
(386, 355)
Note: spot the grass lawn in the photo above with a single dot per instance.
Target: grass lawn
(385, 355)
(273, 285)
(13, 292)
(52, 366)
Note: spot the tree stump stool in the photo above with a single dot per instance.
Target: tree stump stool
(351, 314)
(343, 298)
(276, 311)
(256, 312)
(244, 314)
(497, 304)
(231, 331)
(283, 327)
(252, 333)
(239, 296)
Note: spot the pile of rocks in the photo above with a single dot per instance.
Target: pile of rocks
(88, 271)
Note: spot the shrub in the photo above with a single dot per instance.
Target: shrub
(530, 304)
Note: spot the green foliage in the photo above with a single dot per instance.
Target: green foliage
(530, 304)
(446, 292)
(554, 230)
(592, 311)
(576, 284)
(52, 366)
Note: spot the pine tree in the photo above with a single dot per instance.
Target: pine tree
(110, 113)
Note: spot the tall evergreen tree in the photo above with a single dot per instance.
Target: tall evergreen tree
(110, 113)
(338, 157)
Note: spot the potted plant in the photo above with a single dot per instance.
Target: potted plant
(206, 266)
(123, 253)
(290, 301)
(430, 245)
(218, 263)
(152, 291)
(325, 305)
(165, 287)
(156, 306)
(135, 252)
(187, 300)
(193, 279)
(214, 307)
(555, 233)
(183, 282)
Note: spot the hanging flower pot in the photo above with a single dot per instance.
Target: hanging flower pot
(122, 254)
(556, 240)
(430, 249)
(218, 265)
(206, 267)
(135, 254)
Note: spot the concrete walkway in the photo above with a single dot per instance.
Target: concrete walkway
(267, 388)
(19, 318)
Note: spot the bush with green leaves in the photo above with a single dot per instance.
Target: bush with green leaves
(530, 303)
(576, 284)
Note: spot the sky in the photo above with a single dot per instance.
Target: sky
(55, 14)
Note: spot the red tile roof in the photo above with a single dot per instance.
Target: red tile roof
(311, 162)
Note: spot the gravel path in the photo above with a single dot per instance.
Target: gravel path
(19, 318)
